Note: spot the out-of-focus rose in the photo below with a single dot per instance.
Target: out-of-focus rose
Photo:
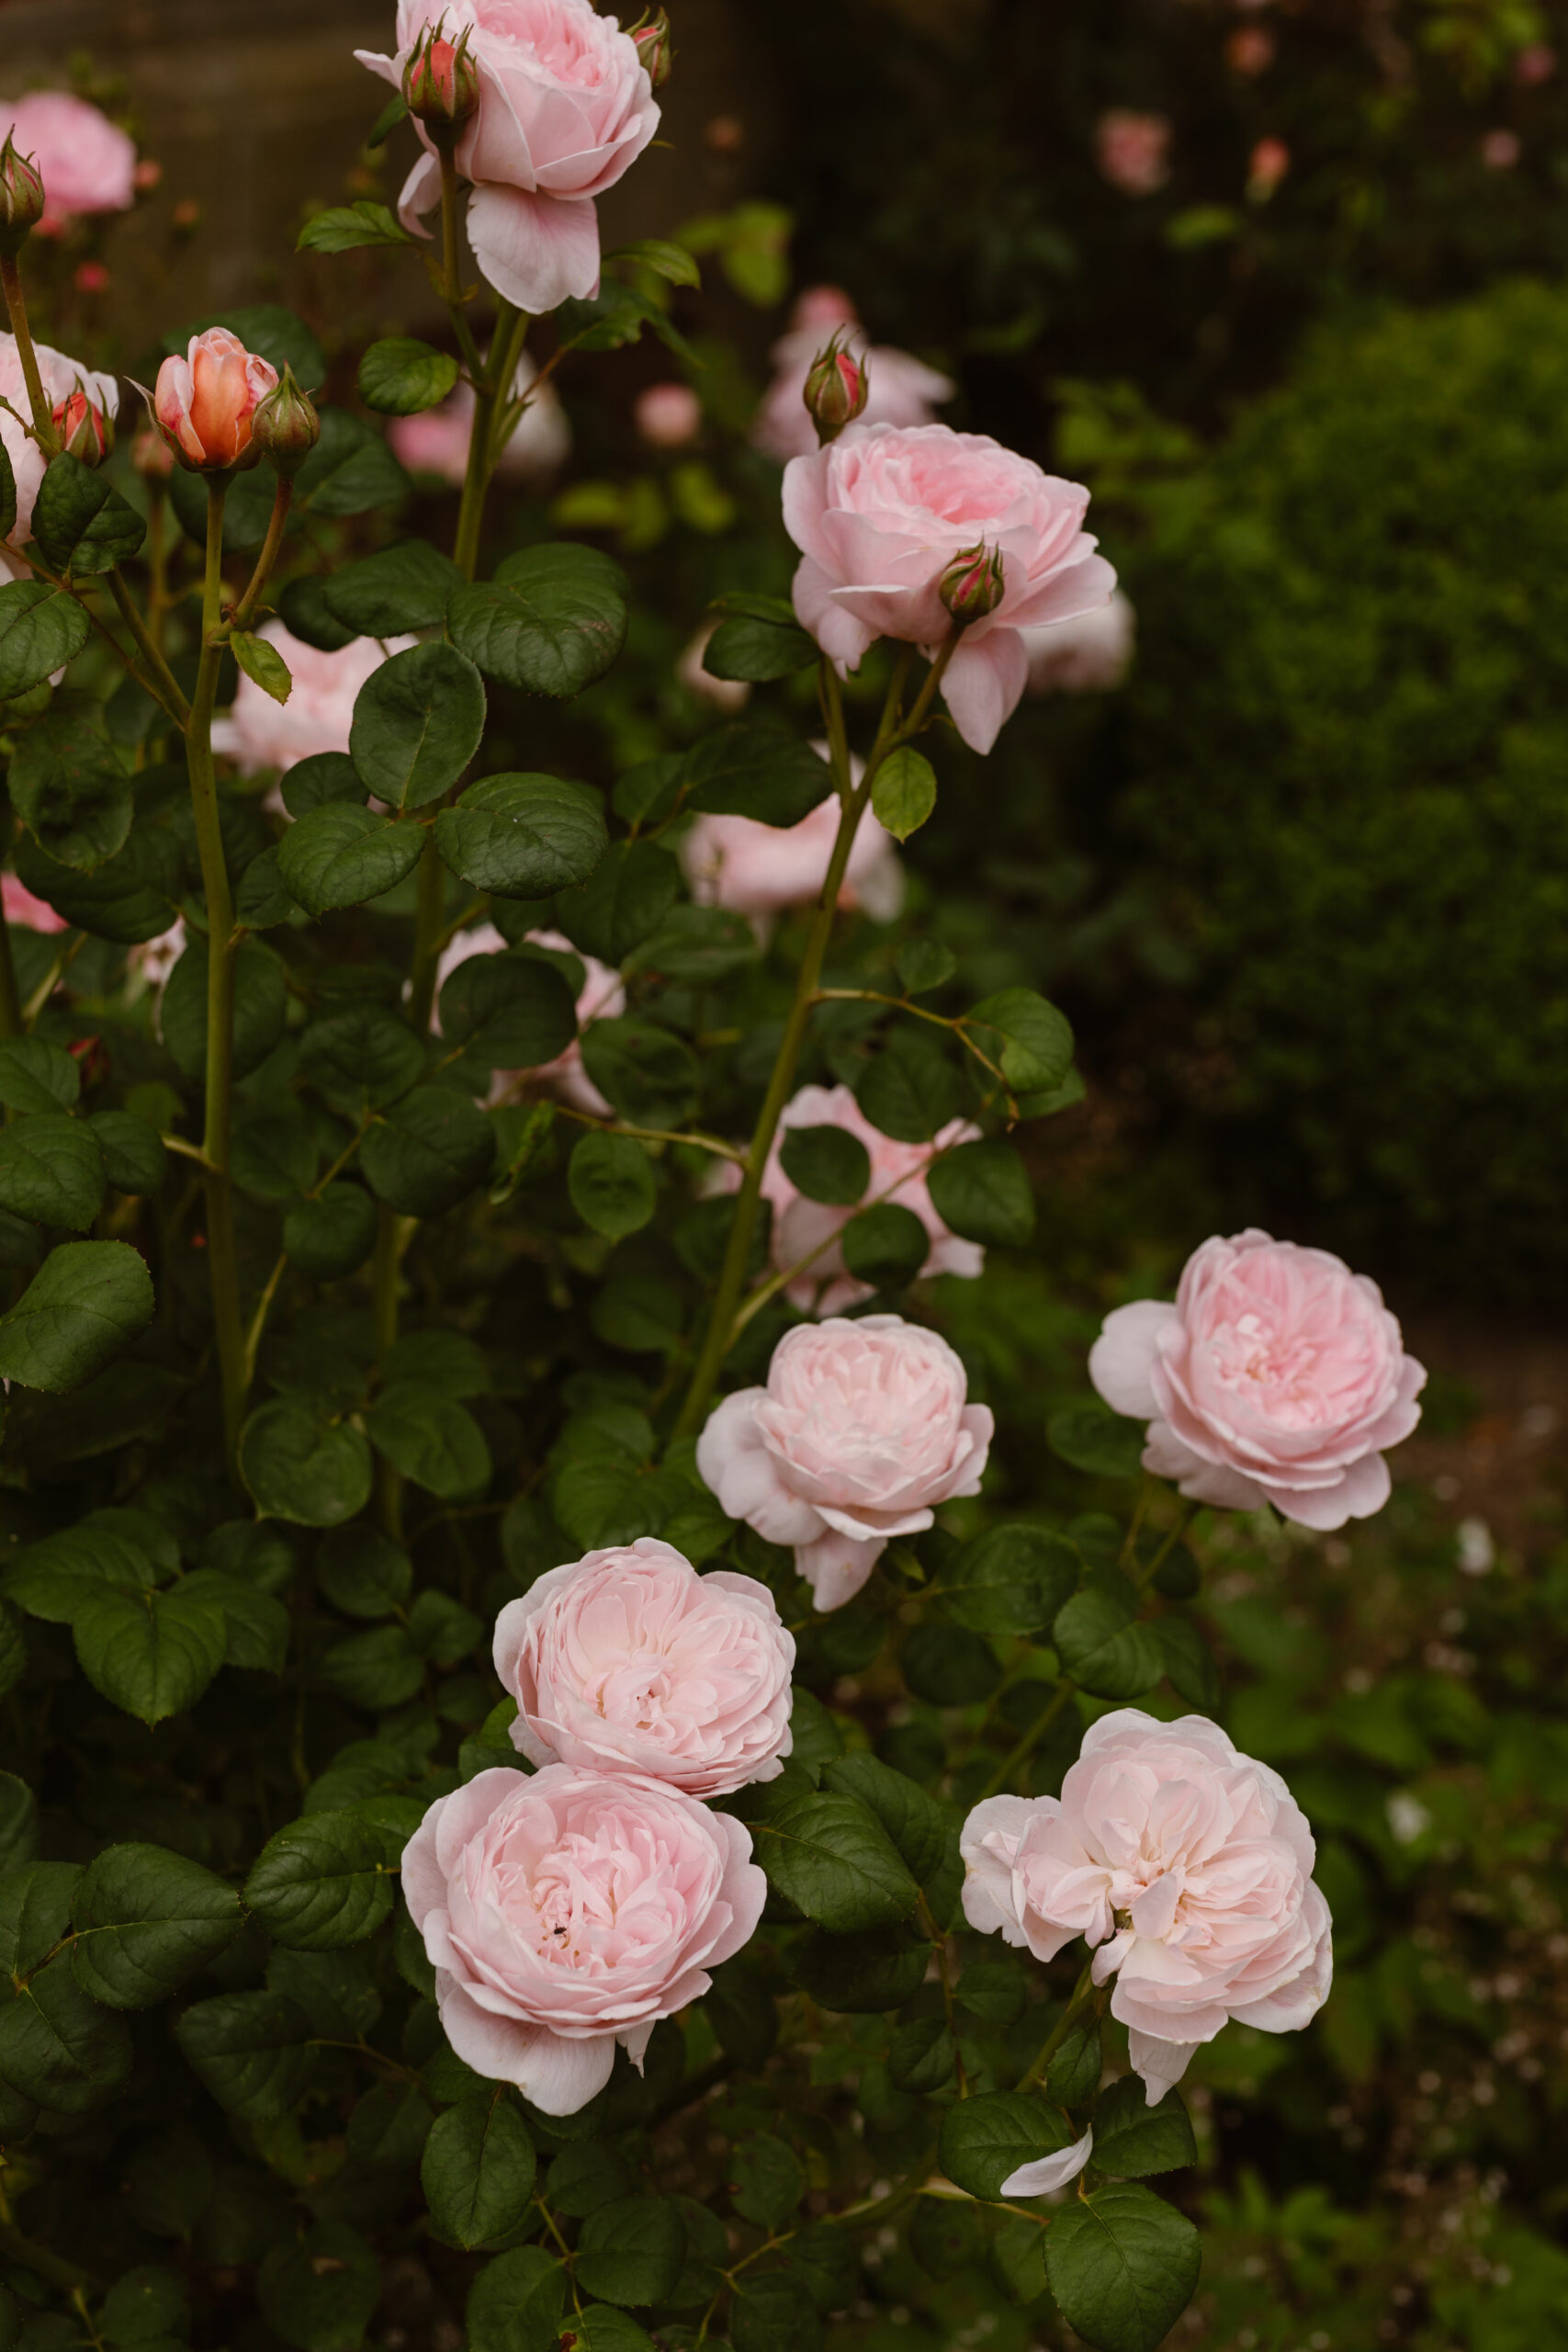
(602, 997)
(668, 417)
(862, 1429)
(568, 1911)
(879, 514)
(628, 1660)
(87, 163)
(1186, 1866)
(759, 870)
(728, 694)
(565, 108)
(1249, 52)
(203, 403)
(1132, 150)
(1501, 150)
(1089, 654)
(261, 733)
(62, 378)
(900, 389)
(1270, 162)
(437, 441)
(1535, 64)
(1276, 1376)
(21, 906)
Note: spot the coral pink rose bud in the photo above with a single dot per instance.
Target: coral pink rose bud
(21, 906)
(1185, 1867)
(261, 733)
(863, 1429)
(83, 430)
(1089, 654)
(974, 583)
(1134, 151)
(655, 49)
(1270, 162)
(86, 163)
(879, 515)
(837, 387)
(1276, 1376)
(205, 403)
(565, 1912)
(441, 85)
(668, 417)
(629, 1661)
(760, 870)
(286, 427)
(21, 200)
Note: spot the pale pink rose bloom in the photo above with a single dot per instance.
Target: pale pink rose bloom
(203, 404)
(86, 163)
(728, 694)
(566, 1911)
(1134, 150)
(21, 906)
(1186, 1867)
(602, 998)
(437, 441)
(61, 377)
(1501, 150)
(668, 417)
(900, 388)
(261, 733)
(880, 514)
(1535, 64)
(862, 1429)
(1276, 1376)
(759, 870)
(629, 1661)
(565, 108)
(898, 1170)
(1089, 654)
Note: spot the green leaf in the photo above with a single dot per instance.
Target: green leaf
(551, 622)
(57, 1576)
(7, 494)
(332, 1235)
(910, 1091)
(261, 1007)
(1094, 1439)
(950, 1667)
(767, 2180)
(18, 1822)
(350, 469)
(255, 1625)
(646, 1072)
(86, 1301)
(68, 785)
(757, 640)
(756, 772)
(834, 1860)
(303, 607)
(631, 2251)
(35, 1912)
(702, 946)
(904, 793)
(295, 1468)
(913, 1820)
(146, 1919)
(610, 1179)
(1122, 2266)
(1011, 1580)
(41, 629)
(319, 2292)
(341, 228)
(647, 794)
(981, 1191)
(1189, 1664)
(428, 1151)
(665, 260)
(517, 2301)
(431, 1439)
(329, 1879)
(341, 854)
(133, 1153)
(1072, 2077)
(250, 2050)
(599, 2327)
(261, 901)
(1032, 1042)
(862, 1974)
(522, 836)
(510, 1012)
(378, 1670)
(115, 901)
(417, 723)
(263, 664)
(920, 2056)
(362, 1572)
(985, 2139)
(58, 2047)
(51, 1169)
(1100, 1644)
(38, 1075)
(632, 890)
(886, 1246)
(772, 2312)
(478, 2170)
(396, 590)
(925, 965)
(744, 2017)
(361, 1059)
(150, 1653)
(992, 1988)
(80, 523)
(825, 1164)
(586, 2174)
(148, 2306)
(401, 376)
(1132, 2139)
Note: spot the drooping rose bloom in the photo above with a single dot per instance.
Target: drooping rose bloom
(63, 378)
(261, 733)
(760, 870)
(1089, 654)
(1134, 150)
(879, 516)
(1186, 1867)
(437, 441)
(203, 403)
(1276, 1376)
(862, 1429)
(21, 906)
(628, 1660)
(900, 388)
(602, 997)
(86, 163)
(569, 1911)
(565, 108)
(668, 417)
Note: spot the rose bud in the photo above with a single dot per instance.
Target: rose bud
(441, 84)
(21, 198)
(974, 583)
(204, 404)
(836, 390)
(286, 427)
(654, 48)
(84, 430)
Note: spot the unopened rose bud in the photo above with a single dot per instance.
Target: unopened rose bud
(974, 583)
(84, 429)
(286, 427)
(654, 48)
(204, 404)
(441, 84)
(838, 386)
(21, 200)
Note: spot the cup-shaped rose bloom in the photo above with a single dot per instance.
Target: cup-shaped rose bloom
(761, 870)
(600, 997)
(879, 516)
(565, 108)
(1090, 654)
(1186, 1867)
(86, 163)
(900, 388)
(261, 733)
(1276, 1376)
(628, 1660)
(566, 1911)
(63, 378)
(203, 403)
(862, 1429)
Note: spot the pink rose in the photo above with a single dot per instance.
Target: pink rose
(1276, 1376)
(861, 1429)
(20, 906)
(261, 733)
(86, 163)
(437, 440)
(602, 997)
(879, 515)
(1535, 64)
(668, 417)
(1270, 162)
(898, 1171)
(565, 106)
(900, 389)
(1501, 150)
(566, 1911)
(63, 378)
(759, 870)
(203, 403)
(1186, 1866)
(1089, 654)
(1134, 150)
(628, 1660)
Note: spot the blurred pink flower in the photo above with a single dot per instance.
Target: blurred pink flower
(1535, 64)
(668, 417)
(86, 163)
(1500, 149)
(437, 441)
(759, 870)
(1270, 162)
(900, 389)
(1249, 51)
(602, 997)
(22, 907)
(725, 693)
(1091, 653)
(261, 733)
(1134, 150)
